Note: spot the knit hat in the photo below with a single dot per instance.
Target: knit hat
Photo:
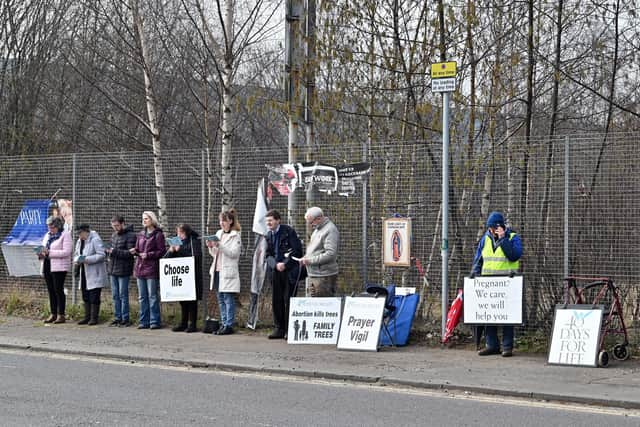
(495, 219)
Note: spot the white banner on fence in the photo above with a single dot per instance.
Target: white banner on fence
(361, 322)
(314, 320)
(576, 335)
(493, 300)
(177, 279)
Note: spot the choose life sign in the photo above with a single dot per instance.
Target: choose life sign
(493, 300)
(177, 279)
(576, 335)
(314, 320)
(361, 322)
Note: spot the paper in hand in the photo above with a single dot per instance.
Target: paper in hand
(175, 241)
(212, 238)
(38, 249)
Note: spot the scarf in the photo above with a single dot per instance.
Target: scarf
(53, 238)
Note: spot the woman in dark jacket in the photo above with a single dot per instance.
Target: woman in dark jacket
(149, 248)
(191, 246)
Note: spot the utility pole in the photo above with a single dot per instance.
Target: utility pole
(292, 84)
(310, 86)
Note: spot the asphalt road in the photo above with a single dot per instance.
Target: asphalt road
(51, 390)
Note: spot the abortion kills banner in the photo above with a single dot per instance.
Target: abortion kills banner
(576, 335)
(314, 320)
(493, 300)
(361, 322)
(177, 279)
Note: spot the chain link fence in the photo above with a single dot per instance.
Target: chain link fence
(576, 211)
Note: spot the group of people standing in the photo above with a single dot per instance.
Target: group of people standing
(498, 253)
(129, 253)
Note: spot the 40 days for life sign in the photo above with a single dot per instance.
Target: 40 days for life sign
(493, 300)
(177, 279)
(576, 335)
(314, 320)
(361, 322)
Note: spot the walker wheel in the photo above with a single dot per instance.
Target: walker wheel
(603, 358)
(620, 352)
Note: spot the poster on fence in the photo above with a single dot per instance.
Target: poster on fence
(493, 300)
(314, 320)
(575, 336)
(177, 279)
(361, 322)
(396, 237)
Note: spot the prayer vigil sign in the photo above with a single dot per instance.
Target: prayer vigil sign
(493, 300)
(576, 335)
(177, 279)
(314, 320)
(361, 322)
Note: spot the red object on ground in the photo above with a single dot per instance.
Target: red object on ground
(453, 317)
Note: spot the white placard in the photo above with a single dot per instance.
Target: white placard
(314, 320)
(493, 300)
(443, 85)
(177, 279)
(361, 321)
(396, 235)
(576, 335)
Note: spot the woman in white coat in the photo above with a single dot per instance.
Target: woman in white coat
(225, 275)
(89, 259)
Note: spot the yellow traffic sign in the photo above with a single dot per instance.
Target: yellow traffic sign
(443, 69)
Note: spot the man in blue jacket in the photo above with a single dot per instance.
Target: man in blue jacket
(283, 245)
(498, 254)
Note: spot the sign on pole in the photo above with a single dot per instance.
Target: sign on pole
(361, 322)
(576, 335)
(443, 76)
(314, 320)
(397, 242)
(177, 279)
(493, 300)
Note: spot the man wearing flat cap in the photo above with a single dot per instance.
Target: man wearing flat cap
(498, 254)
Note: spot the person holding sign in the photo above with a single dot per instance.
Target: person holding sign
(89, 259)
(55, 255)
(284, 250)
(190, 247)
(225, 275)
(149, 248)
(498, 254)
(321, 258)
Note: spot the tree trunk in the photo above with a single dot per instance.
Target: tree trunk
(227, 107)
(151, 113)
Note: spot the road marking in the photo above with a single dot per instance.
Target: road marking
(384, 388)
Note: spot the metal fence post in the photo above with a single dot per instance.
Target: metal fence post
(73, 215)
(203, 224)
(566, 206)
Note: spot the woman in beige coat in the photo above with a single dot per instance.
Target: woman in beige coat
(225, 275)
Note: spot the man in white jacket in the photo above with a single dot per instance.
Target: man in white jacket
(321, 257)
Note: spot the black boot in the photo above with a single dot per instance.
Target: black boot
(183, 319)
(193, 317)
(95, 312)
(87, 314)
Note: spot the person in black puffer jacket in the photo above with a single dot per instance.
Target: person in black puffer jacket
(191, 247)
(120, 268)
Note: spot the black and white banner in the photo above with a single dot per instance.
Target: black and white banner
(286, 178)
